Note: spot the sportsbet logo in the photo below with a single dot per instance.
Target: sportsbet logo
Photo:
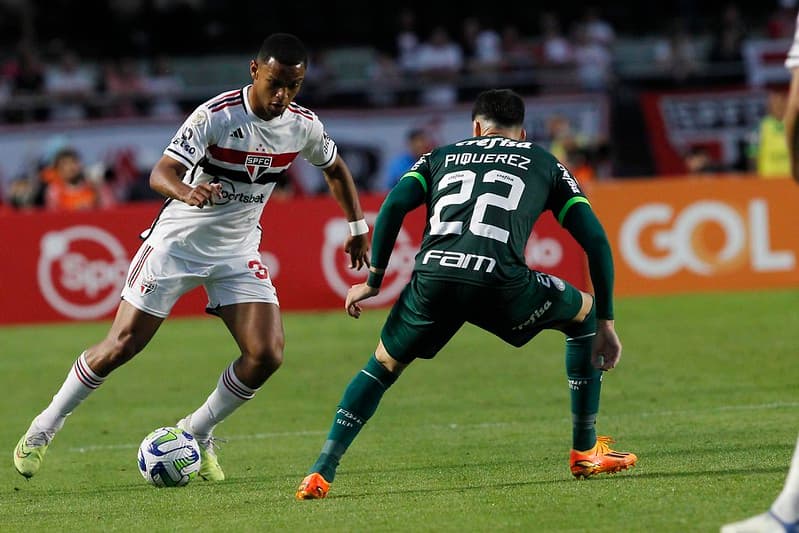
(81, 270)
(706, 238)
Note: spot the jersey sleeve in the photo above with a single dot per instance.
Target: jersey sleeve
(191, 141)
(320, 150)
(565, 193)
(792, 61)
(581, 222)
(420, 171)
(406, 196)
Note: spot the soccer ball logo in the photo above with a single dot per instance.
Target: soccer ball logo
(169, 457)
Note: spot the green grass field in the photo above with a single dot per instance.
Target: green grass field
(474, 440)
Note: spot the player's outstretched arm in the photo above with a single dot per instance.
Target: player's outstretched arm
(342, 187)
(166, 178)
(406, 196)
(358, 293)
(581, 222)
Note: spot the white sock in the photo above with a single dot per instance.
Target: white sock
(786, 506)
(229, 395)
(80, 382)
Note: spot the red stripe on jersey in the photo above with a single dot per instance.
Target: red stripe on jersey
(301, 112)
(298, 107)
(221, 107)
(224, 96)
(239, 157)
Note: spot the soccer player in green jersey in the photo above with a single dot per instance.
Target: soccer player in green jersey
(483, 195)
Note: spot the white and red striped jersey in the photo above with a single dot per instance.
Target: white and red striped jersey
(224, 141)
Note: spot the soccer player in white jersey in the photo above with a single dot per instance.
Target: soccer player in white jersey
(217, 174)
(783, 515)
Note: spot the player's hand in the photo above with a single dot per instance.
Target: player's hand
(357, 246)
(606, 351)
(357, 293)
(203, 194)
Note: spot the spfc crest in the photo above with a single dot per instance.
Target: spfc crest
(257, 165)
(148, 285)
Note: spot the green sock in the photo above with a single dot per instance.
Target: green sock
(585, 383)
(358, 404)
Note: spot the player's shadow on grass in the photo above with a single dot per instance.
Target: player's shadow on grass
(603, 478)
(727, 450)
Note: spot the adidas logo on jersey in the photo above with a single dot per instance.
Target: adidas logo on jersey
(237, 134)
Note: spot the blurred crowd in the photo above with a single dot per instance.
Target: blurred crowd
(423, 63)
(61, 181)
(58, 85)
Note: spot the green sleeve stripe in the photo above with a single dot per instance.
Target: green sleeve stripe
(418, 177)
(571, 202)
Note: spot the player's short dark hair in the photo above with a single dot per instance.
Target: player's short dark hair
(285, 48)
(66, 153)
(503, 107)
(415, 133)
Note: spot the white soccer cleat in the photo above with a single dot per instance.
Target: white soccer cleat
(762, 523)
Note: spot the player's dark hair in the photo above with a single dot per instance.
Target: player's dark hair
(503, 107)
(285, 48)
(64, 153)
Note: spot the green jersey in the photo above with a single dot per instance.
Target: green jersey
(483, 196)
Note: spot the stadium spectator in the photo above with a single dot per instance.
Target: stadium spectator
(482, 50)
(586, 158)
(555, 48)
(385, 75)
(597, 29)
(67, 188)
(563, 138)
(407, 41)
(728, 37)
(783, 514)
(25, 79)
(698, 160)
(593, 61)
(498, 293)
(518, 52)
(208, 234)
(781, 21)
(163, 88)
(419, 142)
(25, 191)
(68, 84)
(676, 56)
(124, 85)
(439, 63)
(768, 148)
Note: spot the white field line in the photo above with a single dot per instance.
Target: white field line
(305, 433)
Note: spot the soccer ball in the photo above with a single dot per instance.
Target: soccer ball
(169, 457)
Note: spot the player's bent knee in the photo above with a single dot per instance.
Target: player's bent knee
(388, 362)
(269, 356)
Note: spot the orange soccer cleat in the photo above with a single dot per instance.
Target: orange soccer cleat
(313, 487)
(600, 459)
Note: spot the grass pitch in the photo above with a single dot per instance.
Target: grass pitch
(475, 440)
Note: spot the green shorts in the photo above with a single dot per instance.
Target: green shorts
(429, 312)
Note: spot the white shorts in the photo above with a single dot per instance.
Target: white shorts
(157, 279)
